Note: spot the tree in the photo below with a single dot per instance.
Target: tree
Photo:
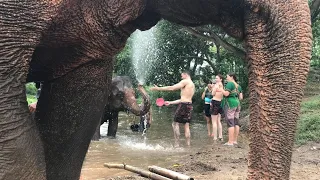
(178, 51)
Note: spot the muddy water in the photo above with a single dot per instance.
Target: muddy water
(154, 148)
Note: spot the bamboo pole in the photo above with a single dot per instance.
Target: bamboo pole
(168, 173)
(142, 172)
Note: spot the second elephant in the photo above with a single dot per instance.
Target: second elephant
(122, 98)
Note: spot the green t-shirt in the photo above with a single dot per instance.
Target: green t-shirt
(232, 100)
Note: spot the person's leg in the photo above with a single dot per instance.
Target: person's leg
(237, 127)
(236, 134)
(220, 128)
(214, 126)
(231, 124)
(214, 118)
(175, 125)
(187, 133)
(230, 135)
(208, 119)
(176, 133)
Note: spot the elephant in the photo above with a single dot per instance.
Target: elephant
(122, 98)
(69, 45)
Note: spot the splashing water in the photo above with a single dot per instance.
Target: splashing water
(134, 144)
(144, 52)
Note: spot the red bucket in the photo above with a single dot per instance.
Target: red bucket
(160, 102)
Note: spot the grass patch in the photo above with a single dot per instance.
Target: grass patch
(308, 128)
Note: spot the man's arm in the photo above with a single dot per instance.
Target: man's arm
(225, 93)
(229, 87)
(177, 86)
(32, 107)
(173, 102)
(240, 93)
(240, 96)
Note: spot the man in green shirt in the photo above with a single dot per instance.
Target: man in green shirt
(232, 94)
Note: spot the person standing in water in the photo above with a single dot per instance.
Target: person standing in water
(184, 109)
(216, 108)
(207, 96)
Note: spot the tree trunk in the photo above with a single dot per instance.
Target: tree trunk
(278, 52)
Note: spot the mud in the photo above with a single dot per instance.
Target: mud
(218, 162)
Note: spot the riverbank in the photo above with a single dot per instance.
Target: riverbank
(218, 162)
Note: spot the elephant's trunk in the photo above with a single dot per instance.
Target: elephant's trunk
(278, 40)
(132, 105)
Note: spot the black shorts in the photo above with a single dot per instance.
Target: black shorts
(183, 113)
(207, 110)
(216, 108)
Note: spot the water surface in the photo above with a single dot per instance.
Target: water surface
(154, 148)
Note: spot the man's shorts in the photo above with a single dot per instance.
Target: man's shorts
(207, 110)
(183, 113)
(216, 108)
(232, 116)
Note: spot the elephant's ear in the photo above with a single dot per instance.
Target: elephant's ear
(122, 11)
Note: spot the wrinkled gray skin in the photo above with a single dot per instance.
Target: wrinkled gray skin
(70, 44)
(122, 98)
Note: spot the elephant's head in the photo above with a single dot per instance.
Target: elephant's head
(123, 96)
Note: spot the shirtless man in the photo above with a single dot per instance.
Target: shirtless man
(183, 112)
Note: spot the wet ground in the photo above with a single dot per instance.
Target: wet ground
(205, 159)
(154, 148)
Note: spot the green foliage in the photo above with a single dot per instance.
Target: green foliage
(31, 92)
(178, 51)
(31, 99)
(312, 88)
(315, 59)
(197, 101)
(308, 128)
(123, 64)
(31, 89)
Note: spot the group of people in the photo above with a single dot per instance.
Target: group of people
(219, 100)
(223, 100)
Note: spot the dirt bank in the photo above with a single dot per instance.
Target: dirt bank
(218, 162)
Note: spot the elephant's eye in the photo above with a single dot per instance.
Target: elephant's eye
(120, 94)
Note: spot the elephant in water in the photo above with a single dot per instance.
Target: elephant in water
(69, 45)
(122, 98)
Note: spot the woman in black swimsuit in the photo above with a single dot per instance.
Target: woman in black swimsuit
(207, 96)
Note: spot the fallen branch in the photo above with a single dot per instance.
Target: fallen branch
(168, 173)
(142, 172)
